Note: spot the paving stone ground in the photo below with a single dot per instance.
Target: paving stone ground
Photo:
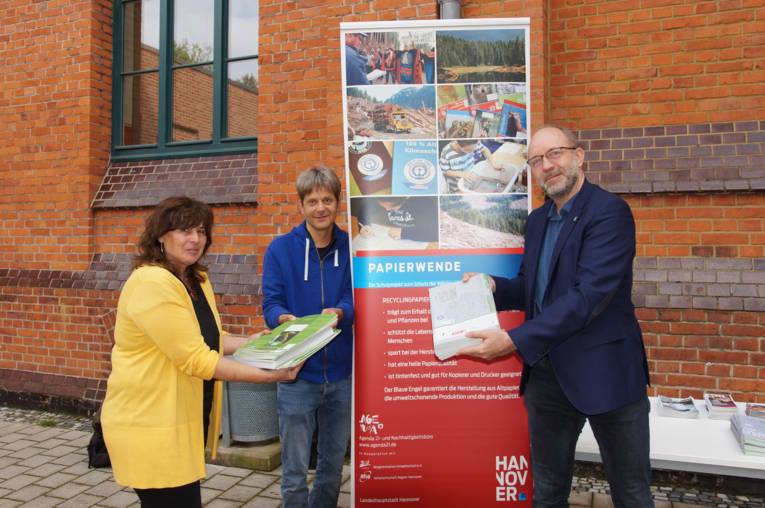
(43, 463)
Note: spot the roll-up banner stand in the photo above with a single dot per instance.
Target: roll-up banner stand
(436, 117)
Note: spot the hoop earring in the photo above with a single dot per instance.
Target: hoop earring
(162, 248)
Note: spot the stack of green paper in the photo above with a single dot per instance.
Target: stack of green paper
(754, 409)
(289, 343)
(750, 433)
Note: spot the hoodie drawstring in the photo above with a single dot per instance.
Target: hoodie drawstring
(336, 265)
(305, 268)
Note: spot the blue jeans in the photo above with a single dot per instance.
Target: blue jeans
(301, 406)
(555, 425)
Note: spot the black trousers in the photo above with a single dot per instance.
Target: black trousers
(185, 496)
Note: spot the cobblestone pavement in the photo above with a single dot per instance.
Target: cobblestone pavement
(43, 464)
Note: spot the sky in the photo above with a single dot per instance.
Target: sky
(384, 92)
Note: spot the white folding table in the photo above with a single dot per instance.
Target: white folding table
(701, 445)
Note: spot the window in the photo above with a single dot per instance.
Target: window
(185, 77)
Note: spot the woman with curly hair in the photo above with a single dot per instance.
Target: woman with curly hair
(168, 348)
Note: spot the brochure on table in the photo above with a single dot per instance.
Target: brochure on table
(677, 407)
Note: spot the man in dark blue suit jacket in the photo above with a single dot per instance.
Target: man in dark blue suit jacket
(581, 343)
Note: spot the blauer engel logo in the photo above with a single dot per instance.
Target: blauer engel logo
(512, 473)
(418, 173)
(371, 167)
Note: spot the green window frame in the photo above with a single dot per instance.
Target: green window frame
(165, 146)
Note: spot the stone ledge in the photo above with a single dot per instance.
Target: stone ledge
(259, 457)
(722, 156)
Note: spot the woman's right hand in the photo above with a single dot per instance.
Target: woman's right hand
(288, 374)
(232, 370)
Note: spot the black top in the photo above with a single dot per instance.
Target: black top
(209, 329)
(322, 251)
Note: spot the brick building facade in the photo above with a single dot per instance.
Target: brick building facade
(668, 96)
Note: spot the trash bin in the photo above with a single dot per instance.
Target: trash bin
(249, 412)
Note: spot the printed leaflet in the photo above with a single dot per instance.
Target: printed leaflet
(457, 308)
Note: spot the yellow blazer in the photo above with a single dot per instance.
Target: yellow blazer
(152, 413)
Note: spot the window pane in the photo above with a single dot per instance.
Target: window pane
(242, 28)
(140, 38)
(192, 103)
(139, 109)
(242, 98)
(193, 31)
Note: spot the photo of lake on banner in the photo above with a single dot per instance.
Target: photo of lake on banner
(480, 56)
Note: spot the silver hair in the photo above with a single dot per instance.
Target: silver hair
(566, 132)
(317, 177)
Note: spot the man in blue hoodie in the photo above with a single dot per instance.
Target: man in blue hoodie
(307, 271)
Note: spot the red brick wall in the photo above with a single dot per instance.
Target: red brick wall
(656, 62)
(53, 331)
(716, 225)
(692, 350)
(700, 301)
(55, 103)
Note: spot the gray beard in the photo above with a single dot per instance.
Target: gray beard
(568, 185)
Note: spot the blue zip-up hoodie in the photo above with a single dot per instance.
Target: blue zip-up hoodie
(297, 282)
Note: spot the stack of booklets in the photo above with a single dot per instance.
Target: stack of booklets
(750, 433)
(720, 405)
(289, 343)
(677, 407)
(756, 410)
(457, 308)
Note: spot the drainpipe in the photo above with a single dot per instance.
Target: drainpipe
(450, 9)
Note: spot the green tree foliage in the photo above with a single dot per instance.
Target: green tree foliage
(455, 52)
(498, 217)
(249, 81)
(361, 94)
(185, 52)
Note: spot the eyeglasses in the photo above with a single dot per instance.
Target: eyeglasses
(553, 154)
